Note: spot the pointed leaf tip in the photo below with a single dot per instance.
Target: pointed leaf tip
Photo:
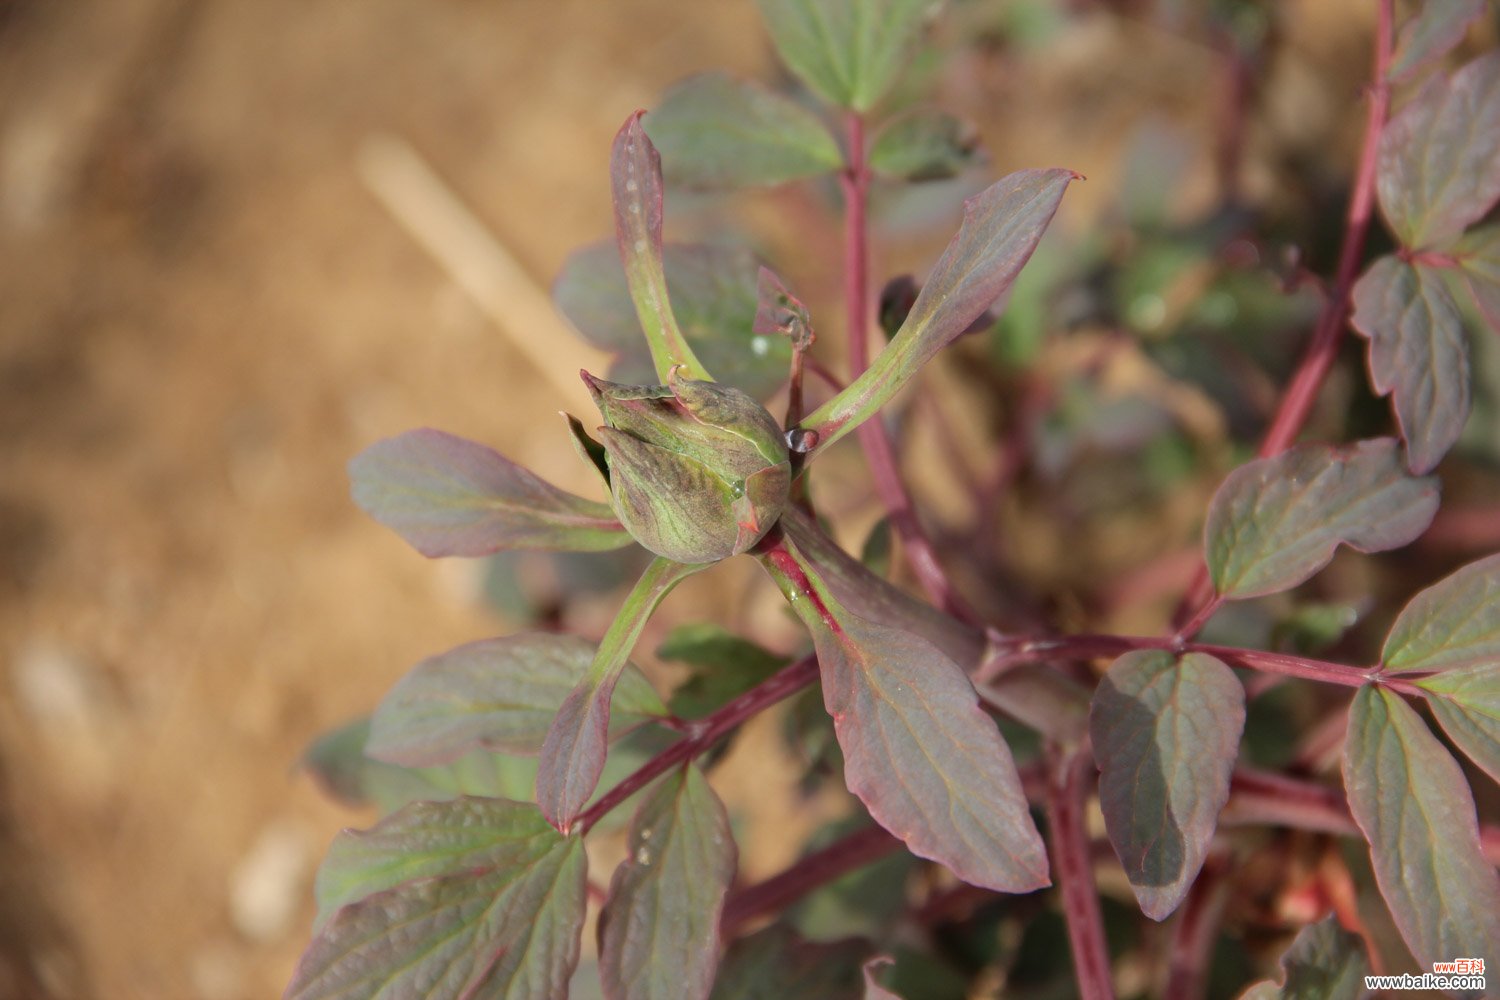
(1166, 732)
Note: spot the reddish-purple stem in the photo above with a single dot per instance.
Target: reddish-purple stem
(1072, 647)
(1066, 792)
(812, 872)
(880, 452)
(705, 733)
(1328, 335)
(1197, 926)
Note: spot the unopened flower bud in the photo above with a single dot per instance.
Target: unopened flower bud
(698, 471)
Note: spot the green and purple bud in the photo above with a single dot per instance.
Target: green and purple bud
(698, 471)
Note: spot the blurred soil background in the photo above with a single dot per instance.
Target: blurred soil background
(207, 306)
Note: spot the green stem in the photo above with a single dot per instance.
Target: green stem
(573, 755)
(654, 585)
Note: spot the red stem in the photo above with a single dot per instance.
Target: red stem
(880, 452)
(812, 872)
(705, 733)
(1067, 789)
(1328, 335)
(1193, 936)
(1072, 647)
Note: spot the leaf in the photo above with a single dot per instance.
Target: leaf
(713, 294)
(1478, 253)
(1410, 798)
(778, 311)
(1453, 627)
(1325, 962)
(447, 496)
(775, 964)
(478, 897)
(1438, 169)
(1001, 227)
(635, 181)
(873, 989)
(1035, 695)
(925, 145)
(1453, 623)
(918, 751)
(496, 694)
(716, 132)
(1418, 354)
(724, 666)
(1276, 521)
(849, 51)
(1166, 732)
(659, 932)
(1468, 708)
(577, 742)
(1437, 26)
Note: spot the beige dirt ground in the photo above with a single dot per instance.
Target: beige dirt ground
(204, 311)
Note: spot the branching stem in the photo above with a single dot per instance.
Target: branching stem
(704, 733)
(1328, 335)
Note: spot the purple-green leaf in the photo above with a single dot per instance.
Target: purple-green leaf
(1453, 623)
(1437, 26)
(478, 897)
(849, 51)
(716, 132)
(659, 932)
(1478, 253)
(1453, 627)
(577, 742)
(1410, 798)
(1035, 695)
(1466, 703)
(1276, 521)
(926, 761)
(775, 964)
(1166, 732)
(496, 694)
(713, 293)
(1438, 170)
(1001, 227)
(1325, 962)
(1418, 354)
(635, 180)
(447, 496)
(925, 145)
